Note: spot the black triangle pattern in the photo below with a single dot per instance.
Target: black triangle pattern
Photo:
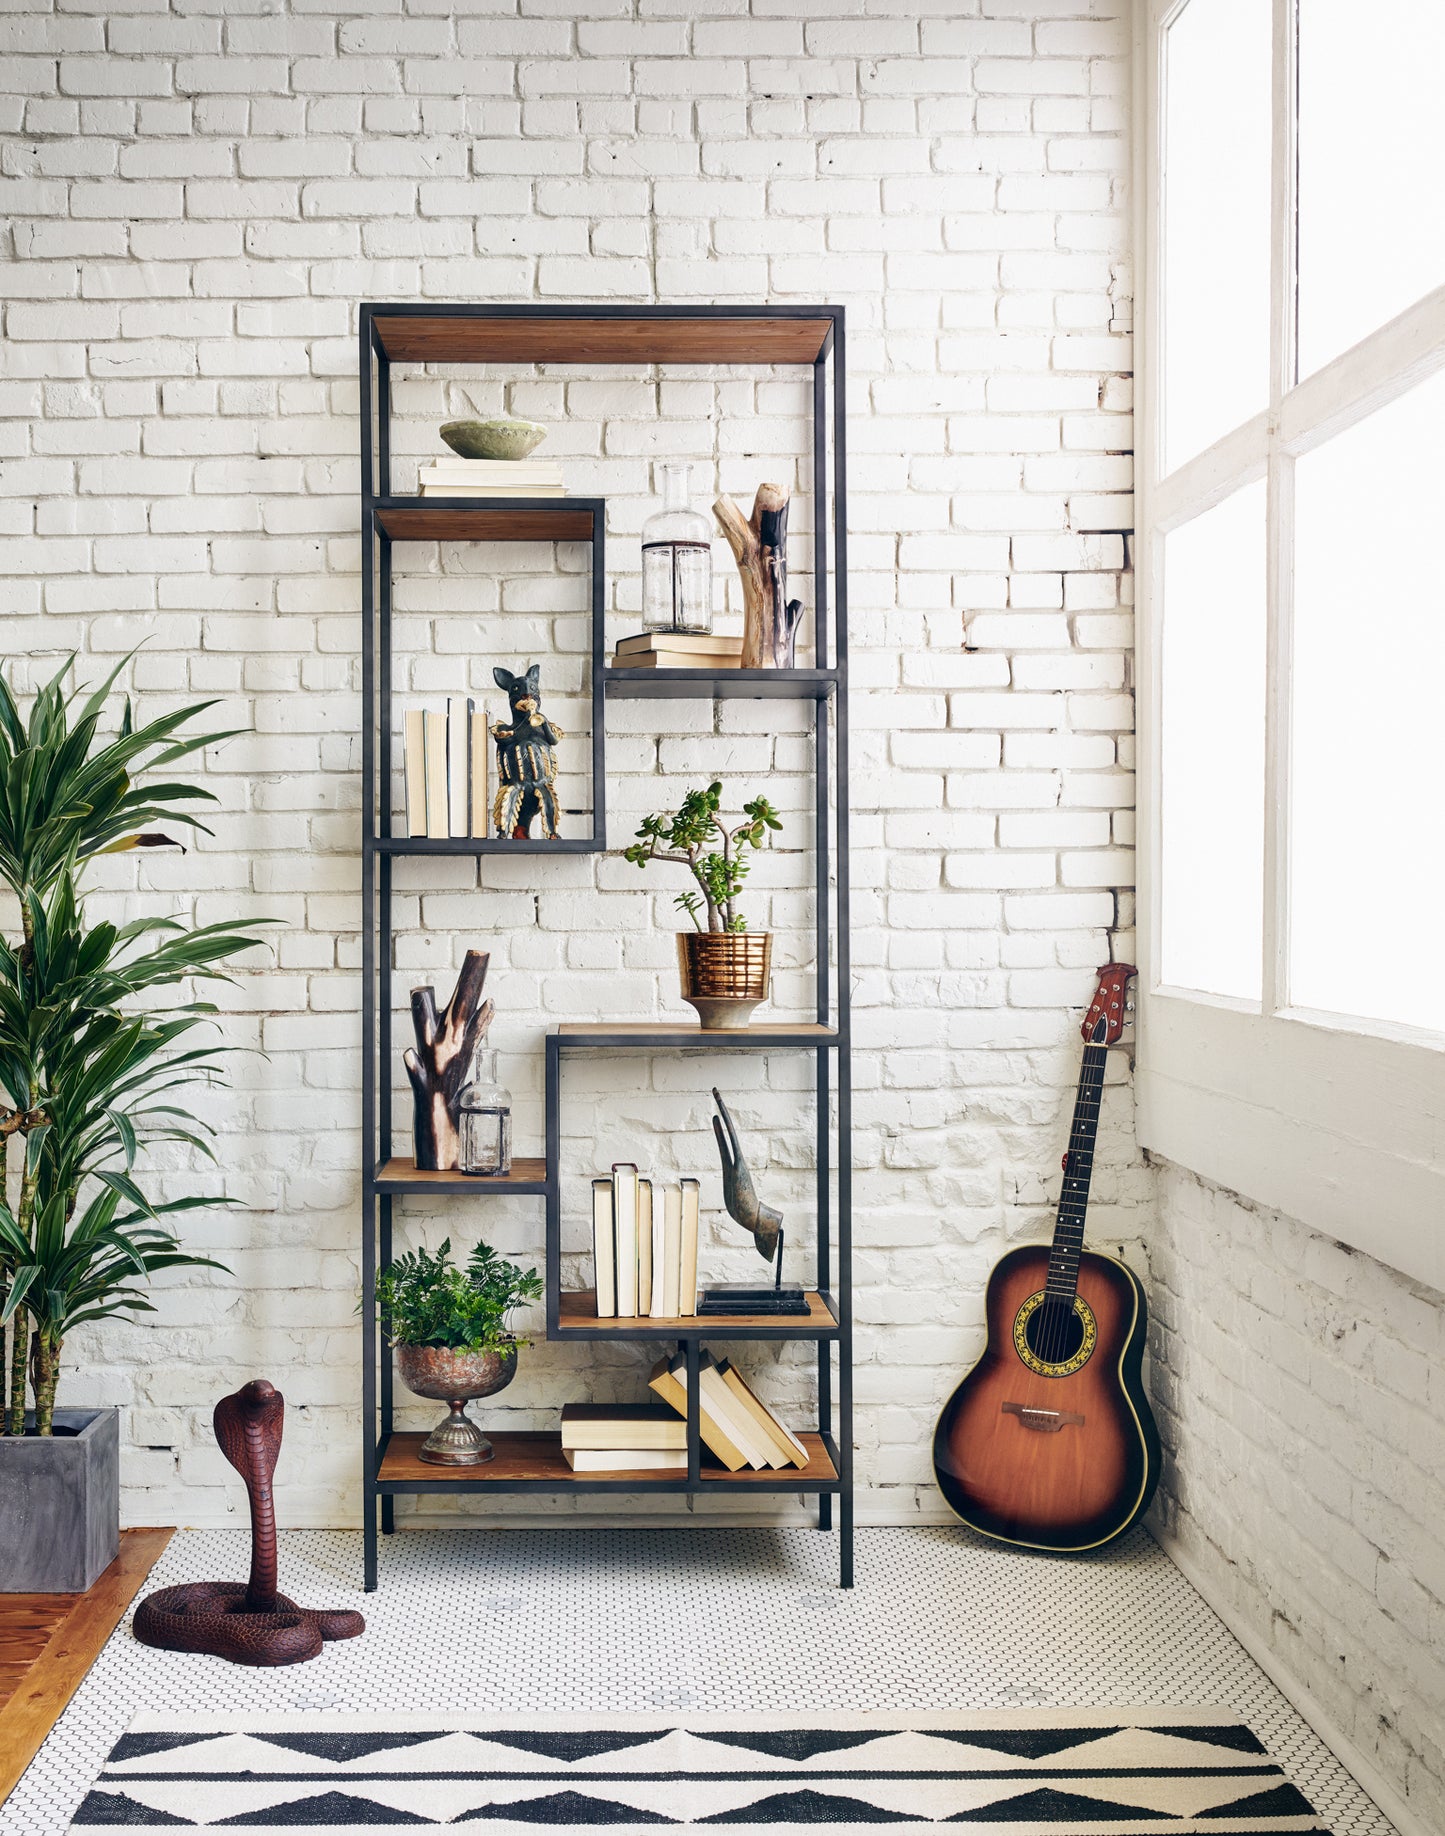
(141, 1746)
(114, 1810)
(327, 1807)
(791, 1743)
(808, 1807)
(1282, 1801)
(345, 1746)
(1046, 1805)
(563, 1807)
(574, 1745)
(1022, 1743)
(1237, 1737)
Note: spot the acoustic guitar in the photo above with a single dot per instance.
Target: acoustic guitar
(1049, 1442)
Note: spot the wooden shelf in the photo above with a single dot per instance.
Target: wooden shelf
(484, 844)
(489, 519)
(661, 1036)
(401, 1174)
(577, 1319)
(586, 335)
(534, 1463)
(720, 684)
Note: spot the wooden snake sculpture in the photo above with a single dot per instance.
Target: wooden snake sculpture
(251, 1624)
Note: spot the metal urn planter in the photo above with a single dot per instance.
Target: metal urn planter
(725, 974)
(60, 1503)
(455, 1378)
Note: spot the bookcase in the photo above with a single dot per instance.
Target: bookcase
(393, 336)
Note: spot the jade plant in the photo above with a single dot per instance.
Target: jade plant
(695, 836)
(426, 1299)
(90, 1061)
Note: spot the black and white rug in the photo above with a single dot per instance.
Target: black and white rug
(1100, 1772)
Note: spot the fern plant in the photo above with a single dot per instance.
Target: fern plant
(426, 1299)
(88, 1077)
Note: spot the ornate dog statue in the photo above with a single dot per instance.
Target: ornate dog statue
(526, 760)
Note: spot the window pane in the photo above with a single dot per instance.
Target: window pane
(1367, 784)
(1371, 167)
(1216, 222)
(1212, 749)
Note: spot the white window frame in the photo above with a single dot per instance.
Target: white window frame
(1338, 1122)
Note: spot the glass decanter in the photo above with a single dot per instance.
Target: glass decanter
(676, 561)
(485, 1121)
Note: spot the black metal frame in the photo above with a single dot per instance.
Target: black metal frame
(824, 684)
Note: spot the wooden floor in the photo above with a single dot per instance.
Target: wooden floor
(49, 1641)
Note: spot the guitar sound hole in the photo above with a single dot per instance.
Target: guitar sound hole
(1054, 1332)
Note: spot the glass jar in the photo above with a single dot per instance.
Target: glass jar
(676, 560)
(485, 1121)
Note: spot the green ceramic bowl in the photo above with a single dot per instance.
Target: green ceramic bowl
(499, 439)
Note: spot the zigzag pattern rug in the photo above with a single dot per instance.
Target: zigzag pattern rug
(1100, 1772)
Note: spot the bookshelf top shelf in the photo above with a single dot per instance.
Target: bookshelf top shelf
(577, 1319)
(665, 1036)
(593, 334)
(489, 519)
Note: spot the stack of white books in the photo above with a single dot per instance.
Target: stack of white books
(735, 1424)
(644, 1247)
(444, 759)
(492, 478)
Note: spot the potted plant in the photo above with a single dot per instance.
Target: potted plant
(88, 1080)
(724, 967)
(448, 1326)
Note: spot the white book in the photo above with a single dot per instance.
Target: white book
(413, 762)
(436, 775)
(604, 1250)
(624, 1225)
(644, 1248)
(624, 1460)
(658, 1309)
(687, 1272)
(459, 766)
(429, 489)
(671, 1251)
(738, 1424)
(481, 744)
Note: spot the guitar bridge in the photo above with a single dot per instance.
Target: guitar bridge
(1042, 1421)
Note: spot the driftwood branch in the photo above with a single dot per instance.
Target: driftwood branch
(760, 548)
(438, 1066)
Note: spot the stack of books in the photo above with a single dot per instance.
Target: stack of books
(444, 767)
(492, 478)
(737, 1428)
(644, 1247)
(677, 650)
(619, 1438)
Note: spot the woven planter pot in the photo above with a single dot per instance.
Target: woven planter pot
(456, 1378)
(724, 974)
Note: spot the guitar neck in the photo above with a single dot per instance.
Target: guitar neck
(1068, 1242)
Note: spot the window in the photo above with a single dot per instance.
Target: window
(1292, 630)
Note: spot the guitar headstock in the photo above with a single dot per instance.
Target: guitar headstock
(1104, 1023)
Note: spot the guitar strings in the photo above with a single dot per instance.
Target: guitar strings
(1059, 1313)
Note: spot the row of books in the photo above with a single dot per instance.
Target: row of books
(735, 1425)
(677, 650)
(491, 478)
(644, 1247)
(444, 767)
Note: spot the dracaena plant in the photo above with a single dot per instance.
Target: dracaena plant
(697, 838)
(89, 1076)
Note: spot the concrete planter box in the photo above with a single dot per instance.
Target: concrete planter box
(60, 1504)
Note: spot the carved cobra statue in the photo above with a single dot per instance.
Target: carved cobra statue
(739, 1194)
(252, 1624)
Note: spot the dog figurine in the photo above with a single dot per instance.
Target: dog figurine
(526, 760)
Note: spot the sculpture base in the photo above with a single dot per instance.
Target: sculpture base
(456, 1441)
(214, 1617)
(743, 1297)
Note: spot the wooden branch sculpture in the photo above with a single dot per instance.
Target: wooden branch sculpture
(251, 1624)
(439, 1063)
(760, 548)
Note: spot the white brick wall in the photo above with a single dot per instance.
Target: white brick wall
(1300, 1389)
(197, 203)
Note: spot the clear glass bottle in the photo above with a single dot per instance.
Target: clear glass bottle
(485, 1131)
(676, 560)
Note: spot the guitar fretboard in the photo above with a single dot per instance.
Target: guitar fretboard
(1063, 1279)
